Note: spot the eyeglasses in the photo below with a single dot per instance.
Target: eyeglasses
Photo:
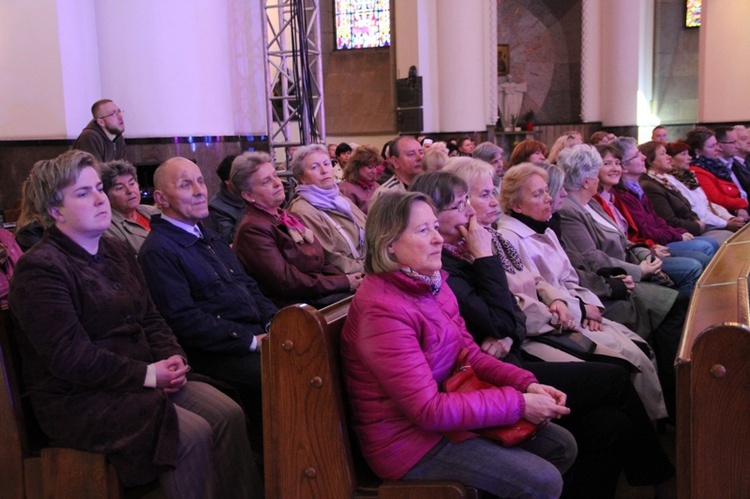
(119, 111)
(629, 159)
(460, 207)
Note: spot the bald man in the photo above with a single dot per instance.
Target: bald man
(199, 286)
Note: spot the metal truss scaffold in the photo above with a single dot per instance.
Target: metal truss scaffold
(294, 73)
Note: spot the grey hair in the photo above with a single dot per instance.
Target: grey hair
(579, 163)
(244, 166)
(625, 144)
(298, 167)
(486, 151)
(113, 169)
(555, 177)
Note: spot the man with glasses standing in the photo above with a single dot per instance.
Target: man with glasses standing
(102, 137)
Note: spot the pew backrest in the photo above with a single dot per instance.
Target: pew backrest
(308, 452)
(713, 379)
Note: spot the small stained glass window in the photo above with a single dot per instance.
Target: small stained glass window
(693, 13)
(362, 24)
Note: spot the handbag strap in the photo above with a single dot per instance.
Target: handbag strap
(461, 362)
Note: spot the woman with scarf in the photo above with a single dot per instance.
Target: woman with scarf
(666, 198)
(527, 208)
(712, 174)
(607, 418)
(275, 247)
(648, 224)
(683, 178)
(360, 176)
(401, 341)
(334, 219)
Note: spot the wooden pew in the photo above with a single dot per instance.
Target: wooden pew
(713, 380)
(28, 468)
(307, 446)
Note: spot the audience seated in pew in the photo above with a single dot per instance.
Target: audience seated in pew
(226, 208)
(276, 248)
(216, 310)
(130, 218)
(334, 219)
(713, 176)
(655, 312)
(401, 340)
(104, 370)
(615, 219)
(527, 208)
(360, 176)
(683, 178)
(666, 199)
(647, 223)
(607, 418)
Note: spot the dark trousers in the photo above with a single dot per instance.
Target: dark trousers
(610, 424)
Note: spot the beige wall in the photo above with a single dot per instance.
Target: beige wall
(724, 69)
(31, 78)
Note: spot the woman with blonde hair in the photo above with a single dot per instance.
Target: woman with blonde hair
(402, 339)
(527, 208)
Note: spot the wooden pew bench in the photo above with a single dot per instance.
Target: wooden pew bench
(29, 467)
(713, 379)
(307, 444)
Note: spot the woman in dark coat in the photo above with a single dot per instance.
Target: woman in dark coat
(104, 370)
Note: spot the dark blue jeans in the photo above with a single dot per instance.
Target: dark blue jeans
(532, 470)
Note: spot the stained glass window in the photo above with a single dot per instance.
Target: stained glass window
(363, 24)
(693, 15)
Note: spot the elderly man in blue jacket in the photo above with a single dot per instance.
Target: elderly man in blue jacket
(199, 286)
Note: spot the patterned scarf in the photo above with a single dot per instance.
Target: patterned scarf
(714, 166)
(459, 250)
(663, 179)
(508, 254)
(687, 177)
(297, 230)
(435, 280)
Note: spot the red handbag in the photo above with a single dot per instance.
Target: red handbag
(464, 379)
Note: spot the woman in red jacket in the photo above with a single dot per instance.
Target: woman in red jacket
(401, 340)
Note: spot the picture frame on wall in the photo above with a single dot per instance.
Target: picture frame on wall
(503, 60)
